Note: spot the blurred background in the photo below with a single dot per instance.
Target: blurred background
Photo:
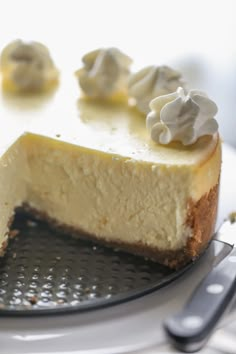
(196, 37)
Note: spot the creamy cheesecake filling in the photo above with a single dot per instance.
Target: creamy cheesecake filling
(109, 197)
(13, 185)
(112, 197)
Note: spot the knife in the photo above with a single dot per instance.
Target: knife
(190, 329)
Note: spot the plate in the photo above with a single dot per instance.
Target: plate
(47, 272)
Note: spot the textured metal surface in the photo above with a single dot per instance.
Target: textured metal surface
(45, 271)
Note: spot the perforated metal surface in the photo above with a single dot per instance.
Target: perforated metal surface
(44, 271)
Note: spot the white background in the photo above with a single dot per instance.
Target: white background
(197, 37)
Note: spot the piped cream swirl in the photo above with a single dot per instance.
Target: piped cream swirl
(105, 73)
(151, 82)
(181, 117)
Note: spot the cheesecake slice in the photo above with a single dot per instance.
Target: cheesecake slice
(89, 166)
(97, 174)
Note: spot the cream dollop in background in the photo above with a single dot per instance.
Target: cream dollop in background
(105, 72)
(27, 66)
(181, 117)
(151, 82)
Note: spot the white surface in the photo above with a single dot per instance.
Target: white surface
(123, 328)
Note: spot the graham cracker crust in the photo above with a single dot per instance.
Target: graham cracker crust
(201, 219)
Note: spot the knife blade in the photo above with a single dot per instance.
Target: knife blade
(190, 329)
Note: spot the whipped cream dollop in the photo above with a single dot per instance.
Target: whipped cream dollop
(181, 117)
(27, 66)
(105, 73)
(151, 82)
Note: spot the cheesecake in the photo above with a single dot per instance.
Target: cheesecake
(99, 168)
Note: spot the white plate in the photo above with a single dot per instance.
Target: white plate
(134, 325)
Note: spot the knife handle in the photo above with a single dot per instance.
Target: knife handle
(191, 327)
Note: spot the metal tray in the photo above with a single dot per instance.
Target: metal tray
(47, 272)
